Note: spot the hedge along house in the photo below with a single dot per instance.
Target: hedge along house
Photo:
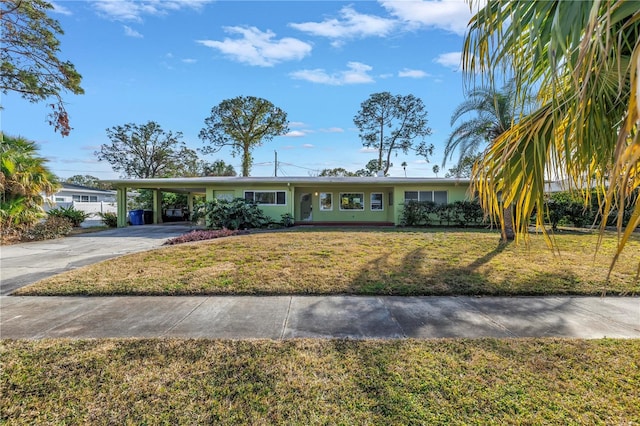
(309, 200)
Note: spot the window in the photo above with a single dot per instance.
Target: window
(351, 201)
(59, 199)
(85, 198)
(273, 198)
(326, 201)
(439, 197)
(224, 196)
(376, 201)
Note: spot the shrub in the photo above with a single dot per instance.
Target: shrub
(469, 213)
(235, 214)
(76, 217)
(417, 213)
(109, 219)
(200, 235)
(50, 228)
(287, 220)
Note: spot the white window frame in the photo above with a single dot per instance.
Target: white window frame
(431, 195)
(342, 194)
(322, 196)
(381, 204)
(275, 197)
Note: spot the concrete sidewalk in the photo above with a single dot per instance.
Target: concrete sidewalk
(285, 317)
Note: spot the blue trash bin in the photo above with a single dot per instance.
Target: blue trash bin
(136, 217)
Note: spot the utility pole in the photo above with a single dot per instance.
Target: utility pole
(275, 170)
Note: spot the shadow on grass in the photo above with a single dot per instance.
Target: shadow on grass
(445, 277)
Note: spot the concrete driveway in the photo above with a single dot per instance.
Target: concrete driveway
(26, 263)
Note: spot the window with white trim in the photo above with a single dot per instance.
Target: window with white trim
(267, 198)
(86, 198)
(351, 201)
(377, 203)
(326, 201)
(438, 197)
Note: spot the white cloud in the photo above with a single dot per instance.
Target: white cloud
(367, 150)
(295, 134)
(351, 24)
(449, 15)
(134, 10)
(130, 32)
(406, 72)
(57, 8)
(297, 124)
(259, 48)
(333, 130)
(308, 146)
(450, 60)
(357, 73)
(189, 61)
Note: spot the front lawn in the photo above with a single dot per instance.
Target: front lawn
(303, 382)
(392, 262)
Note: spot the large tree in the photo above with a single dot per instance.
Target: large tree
(24, 179)
(242, 123)
(29, 63)
(146, 151)
(391, 123)
(583, 59)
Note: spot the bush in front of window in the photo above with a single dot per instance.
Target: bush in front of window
(76, 217)
(425, 213)
(230, 214)
(417, 213)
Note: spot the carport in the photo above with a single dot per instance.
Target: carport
(189, 186)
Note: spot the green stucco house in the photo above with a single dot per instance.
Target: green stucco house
(310, 200)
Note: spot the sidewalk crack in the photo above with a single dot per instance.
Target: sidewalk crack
(187, 315)
(286, 319)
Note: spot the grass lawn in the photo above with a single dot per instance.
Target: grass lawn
(389, 262)
(487, 381)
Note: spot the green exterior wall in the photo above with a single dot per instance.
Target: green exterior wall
(392, 196)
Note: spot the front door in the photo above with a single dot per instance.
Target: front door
(305, 207)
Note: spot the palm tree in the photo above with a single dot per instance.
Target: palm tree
(495, 113)
(583, 59)
(24, 181)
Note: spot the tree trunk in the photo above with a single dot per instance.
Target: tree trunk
(246, 162)
(508, 233)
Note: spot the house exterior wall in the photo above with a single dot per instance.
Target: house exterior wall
(361, 200)
(380, 211)
(454, 193)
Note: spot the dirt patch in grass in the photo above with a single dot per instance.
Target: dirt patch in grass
(366, 262)
(487, 381)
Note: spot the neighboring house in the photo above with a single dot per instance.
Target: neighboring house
(89, 200)
(310, 200)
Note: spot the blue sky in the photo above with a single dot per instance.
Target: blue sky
(172, 61)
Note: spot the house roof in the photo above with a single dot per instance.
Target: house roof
(72, 187)
(198, 184)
